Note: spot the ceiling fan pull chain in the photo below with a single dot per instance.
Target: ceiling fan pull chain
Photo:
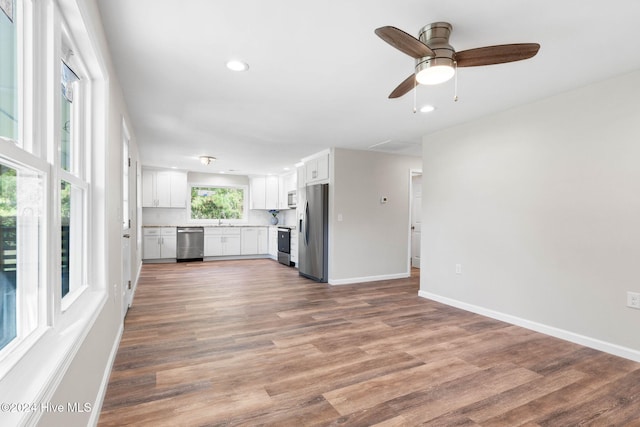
(455, 81)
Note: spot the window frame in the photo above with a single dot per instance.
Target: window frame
(245, 207)
(76, 176)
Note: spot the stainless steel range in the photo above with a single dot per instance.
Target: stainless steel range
(284, 246)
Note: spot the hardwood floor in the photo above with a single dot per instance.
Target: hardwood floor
(251, 343)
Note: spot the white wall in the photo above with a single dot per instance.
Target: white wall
(541, 207)
(372, 240)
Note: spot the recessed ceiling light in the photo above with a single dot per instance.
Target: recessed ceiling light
(236, 65)
(427, 109)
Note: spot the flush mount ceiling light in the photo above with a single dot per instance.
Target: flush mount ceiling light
(207, 160)
(236, 65)
(427, 108)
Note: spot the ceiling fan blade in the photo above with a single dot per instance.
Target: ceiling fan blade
(404, 42)
(404, 87)
(496, 54)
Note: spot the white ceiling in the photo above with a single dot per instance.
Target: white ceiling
(319, 77)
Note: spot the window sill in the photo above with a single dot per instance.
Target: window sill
(37, 370)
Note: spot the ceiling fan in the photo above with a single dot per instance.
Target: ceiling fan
(436, 59)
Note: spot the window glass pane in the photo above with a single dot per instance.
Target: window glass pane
(217, 203)
(8, 205)
(8, 77)
(65, 134)
(71, 236)
(68, 86)
(20, 214)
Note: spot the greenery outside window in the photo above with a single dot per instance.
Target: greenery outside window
(218, 203)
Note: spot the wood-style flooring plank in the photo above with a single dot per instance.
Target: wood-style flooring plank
(250, 342)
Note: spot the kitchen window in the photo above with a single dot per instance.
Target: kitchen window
(218, 203)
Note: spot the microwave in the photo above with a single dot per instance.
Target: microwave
(292, 199)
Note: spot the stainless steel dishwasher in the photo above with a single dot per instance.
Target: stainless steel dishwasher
(190, 245)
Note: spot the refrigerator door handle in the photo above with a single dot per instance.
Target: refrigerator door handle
(306, 224)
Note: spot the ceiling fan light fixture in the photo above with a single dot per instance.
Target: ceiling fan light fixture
(435, 75)
(435, 71)
(207, 160)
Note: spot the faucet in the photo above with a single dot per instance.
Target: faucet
(220, 219)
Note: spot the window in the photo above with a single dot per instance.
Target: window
(8, 71)
(71, 172)
(21, 199)
(52, 226)
(210, 202)
(69, 79)
(21, 213)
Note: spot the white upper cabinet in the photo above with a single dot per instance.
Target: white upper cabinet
(317, 169)
(264, 192)
(302, 178)
(258, 189)
(164, 189)
(272, 193)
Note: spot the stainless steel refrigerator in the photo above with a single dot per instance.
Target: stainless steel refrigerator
(313, 232)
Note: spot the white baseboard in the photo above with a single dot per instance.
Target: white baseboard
(353, 280)
(607, 347)
(97, 407)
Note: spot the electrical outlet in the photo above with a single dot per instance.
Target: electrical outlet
(458, 268)
(633, 300)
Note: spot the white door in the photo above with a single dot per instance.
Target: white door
(416, 215)
(126, 222)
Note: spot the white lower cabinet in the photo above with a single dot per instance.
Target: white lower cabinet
(254, 241)
(159, 242)
(273, 242)
(221, 241)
